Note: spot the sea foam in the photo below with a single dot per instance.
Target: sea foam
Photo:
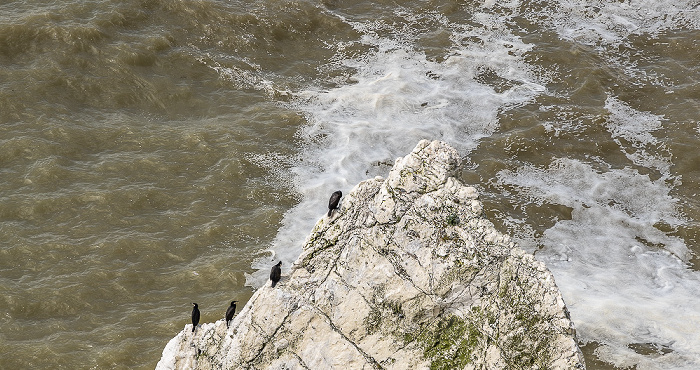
(624, 280)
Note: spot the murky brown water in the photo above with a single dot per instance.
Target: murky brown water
(158, 153)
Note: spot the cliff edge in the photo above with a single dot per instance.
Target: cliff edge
(407, 274)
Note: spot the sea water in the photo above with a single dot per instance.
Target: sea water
(158, 153)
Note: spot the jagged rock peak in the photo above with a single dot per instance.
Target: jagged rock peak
(407, 274)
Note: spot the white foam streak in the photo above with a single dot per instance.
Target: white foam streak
(610, 22)
(637, 128)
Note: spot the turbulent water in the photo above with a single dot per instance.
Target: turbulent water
(155, 153)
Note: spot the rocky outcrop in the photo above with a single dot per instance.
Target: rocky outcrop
(407, 274)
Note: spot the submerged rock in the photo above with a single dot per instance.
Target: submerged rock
(408, 274)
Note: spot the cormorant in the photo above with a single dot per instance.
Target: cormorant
(195, 316)
(276, 273)
(230, 312)
(333, 202)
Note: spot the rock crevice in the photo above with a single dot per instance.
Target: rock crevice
(406, 274)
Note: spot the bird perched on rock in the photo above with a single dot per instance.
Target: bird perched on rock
(333, 202)
(230, 312)
(276, 273)
(195, 316)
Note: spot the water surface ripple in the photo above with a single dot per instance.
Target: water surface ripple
(156, 153)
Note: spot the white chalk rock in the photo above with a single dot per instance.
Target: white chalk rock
(407, 275)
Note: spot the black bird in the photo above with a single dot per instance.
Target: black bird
(195, 316)
(333, 202)
(230, 312)
(276, 273)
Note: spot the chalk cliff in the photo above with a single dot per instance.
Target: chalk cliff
(407, 274)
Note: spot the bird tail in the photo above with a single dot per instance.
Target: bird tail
(330, 212)
(274, 283)
(194, 327)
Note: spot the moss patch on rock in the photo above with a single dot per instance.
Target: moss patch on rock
(449, 343)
